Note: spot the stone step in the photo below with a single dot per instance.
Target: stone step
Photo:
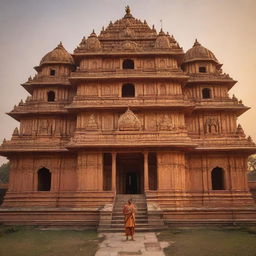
(137, 229)
(137, 221)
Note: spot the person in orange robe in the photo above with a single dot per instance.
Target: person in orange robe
(129, 219)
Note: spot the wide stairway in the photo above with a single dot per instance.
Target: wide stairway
(141, 216)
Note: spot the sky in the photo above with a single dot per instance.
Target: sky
(31, 28)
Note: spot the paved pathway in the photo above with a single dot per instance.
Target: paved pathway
(145, 244)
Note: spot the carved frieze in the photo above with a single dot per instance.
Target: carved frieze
(129, 122)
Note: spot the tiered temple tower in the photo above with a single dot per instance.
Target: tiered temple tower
(128, 113)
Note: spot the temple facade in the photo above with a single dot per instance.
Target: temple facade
(128, 113)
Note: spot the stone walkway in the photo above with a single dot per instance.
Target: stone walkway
(145, 244)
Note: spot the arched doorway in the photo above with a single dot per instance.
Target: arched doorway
(44, 179)
(217, 176)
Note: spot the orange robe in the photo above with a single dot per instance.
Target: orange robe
(129, 219)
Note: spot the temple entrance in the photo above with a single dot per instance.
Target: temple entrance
(130, 173)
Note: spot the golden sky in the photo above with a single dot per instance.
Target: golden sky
(31, 28)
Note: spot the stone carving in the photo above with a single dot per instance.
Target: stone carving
(92, 43)
(92, 123)
(162, 41)
(165, 124)
(129, 45)
(15, 132)
(240, 131)
(212, 126)
(129, 122)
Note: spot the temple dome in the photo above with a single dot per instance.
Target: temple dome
(57, 56)
(197, 53)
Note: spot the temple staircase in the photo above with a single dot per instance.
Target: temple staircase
(116, 223)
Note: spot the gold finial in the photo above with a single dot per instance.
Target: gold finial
(127, 9)
(196, 43)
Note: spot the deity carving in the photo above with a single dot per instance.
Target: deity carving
(165, 124)
(212, 126)
(92, 123)
(129, 122)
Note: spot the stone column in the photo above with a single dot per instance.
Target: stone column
(146, 186)
(113, 176)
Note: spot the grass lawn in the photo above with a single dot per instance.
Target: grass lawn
(210, 242)
(21, 241)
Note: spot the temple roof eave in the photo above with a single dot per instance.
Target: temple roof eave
(239, 110)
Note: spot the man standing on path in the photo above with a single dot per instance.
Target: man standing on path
(129, 219)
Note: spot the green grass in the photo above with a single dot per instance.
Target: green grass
(210, 242)
(21, 241)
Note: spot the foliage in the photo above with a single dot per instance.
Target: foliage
(4, 172)
(252, 163)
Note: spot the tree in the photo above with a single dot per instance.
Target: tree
(252, 167)
(4, 172)
(252, 163)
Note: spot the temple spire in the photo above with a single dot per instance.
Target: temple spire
(196, 43)
(128, 12)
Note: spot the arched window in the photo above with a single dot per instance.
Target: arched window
(51, 96)
(206, 93)
(128, 90)
(44, 179)
(217, 178)
(128, 64)
(202, 69)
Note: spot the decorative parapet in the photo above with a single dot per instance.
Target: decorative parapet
(171, 101)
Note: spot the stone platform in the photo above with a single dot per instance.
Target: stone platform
(145, 244)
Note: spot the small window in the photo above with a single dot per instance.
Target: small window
(217, 176)
(128, 64)
(44, 180)
(206, 93)
(52, 72)
(51, 96)
(202, 69)
(128, 90)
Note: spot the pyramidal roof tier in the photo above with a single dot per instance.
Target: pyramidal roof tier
(128, 34)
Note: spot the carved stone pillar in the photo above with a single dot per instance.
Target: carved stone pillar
(113, 176)
(146, 186)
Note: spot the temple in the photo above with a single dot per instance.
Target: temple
(128, 114)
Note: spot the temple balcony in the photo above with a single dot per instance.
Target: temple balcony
(38, 107)
(176, 138)
(174, 102)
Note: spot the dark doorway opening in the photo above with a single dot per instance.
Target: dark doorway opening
(217, 179)
(130, 173)
(44, 180)
(107, 171)
(131, 183)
